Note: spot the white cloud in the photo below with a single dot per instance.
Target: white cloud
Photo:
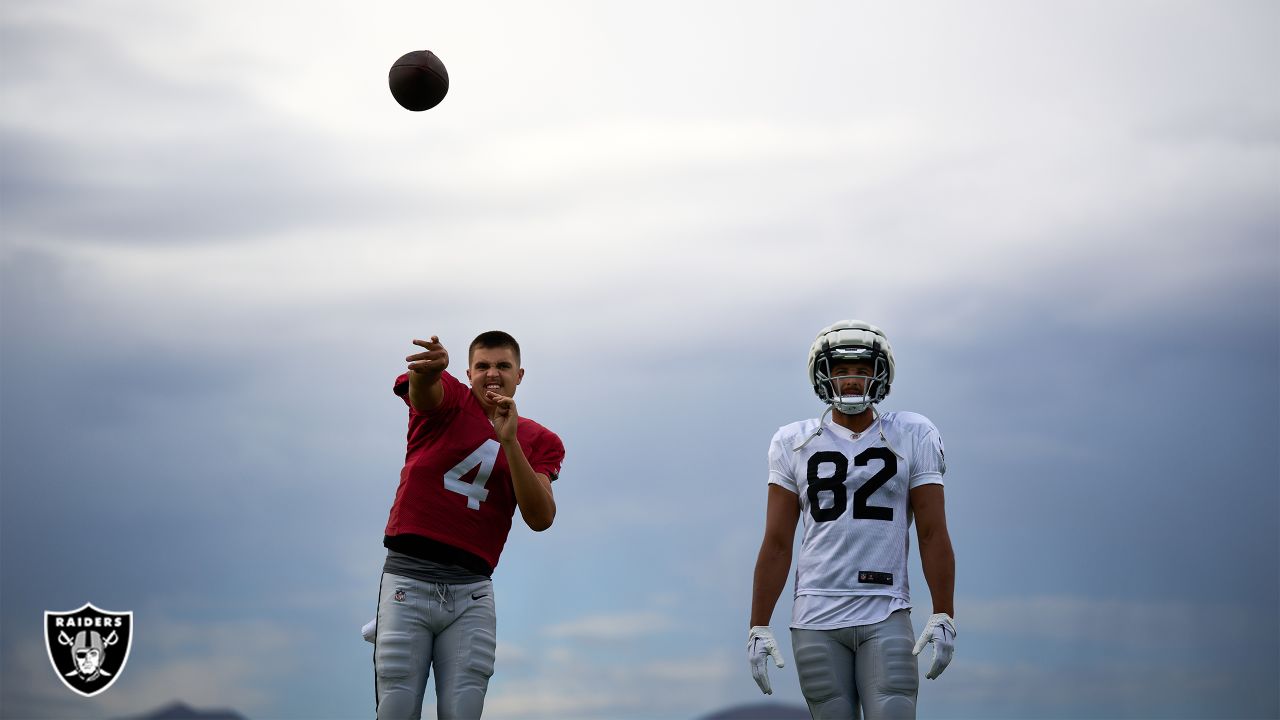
(612, 626)
(578, 685)
(618, 664)
(206, 664)
(30, 687)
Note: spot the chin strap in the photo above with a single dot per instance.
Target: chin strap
(815, 433)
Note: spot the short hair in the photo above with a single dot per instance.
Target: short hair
(494, 339)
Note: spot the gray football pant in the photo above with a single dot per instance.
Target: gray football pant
(867, 665)
(425, 625)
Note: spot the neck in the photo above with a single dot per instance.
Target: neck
(857, 423)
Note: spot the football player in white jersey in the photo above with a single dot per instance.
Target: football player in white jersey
(855, 480)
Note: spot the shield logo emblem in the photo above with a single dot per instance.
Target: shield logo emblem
(88, 647)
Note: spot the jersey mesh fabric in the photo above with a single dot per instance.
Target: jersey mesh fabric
(457, 437)
(898, 452)
(832, 612)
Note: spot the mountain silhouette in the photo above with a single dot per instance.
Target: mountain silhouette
(760, 711)
(182, 711)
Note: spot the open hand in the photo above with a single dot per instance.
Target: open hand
(434, 360)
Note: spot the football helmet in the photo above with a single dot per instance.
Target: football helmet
(89, 650)
(845, 341)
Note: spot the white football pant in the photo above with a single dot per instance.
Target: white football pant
(423, 626)
(867, 666)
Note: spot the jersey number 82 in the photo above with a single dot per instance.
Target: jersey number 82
(835, 484)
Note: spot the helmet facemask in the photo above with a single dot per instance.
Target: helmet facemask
(835, 389)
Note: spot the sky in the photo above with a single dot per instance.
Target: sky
(220, 235)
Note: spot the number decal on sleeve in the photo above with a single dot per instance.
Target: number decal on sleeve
(835, 484)
(485, 457)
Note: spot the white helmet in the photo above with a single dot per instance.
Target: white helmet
(845, 341)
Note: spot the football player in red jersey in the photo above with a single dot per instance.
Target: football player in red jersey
(471, 460)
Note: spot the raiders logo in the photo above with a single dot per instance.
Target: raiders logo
(88, 647)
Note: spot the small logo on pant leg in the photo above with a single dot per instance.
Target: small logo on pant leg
(399, 595)
(88, 647)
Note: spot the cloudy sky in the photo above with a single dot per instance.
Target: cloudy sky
(220, 234)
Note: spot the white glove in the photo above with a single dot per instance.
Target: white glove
(941, 631)
(760, 645)
(369, 629)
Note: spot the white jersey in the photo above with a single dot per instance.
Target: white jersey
(854, 492)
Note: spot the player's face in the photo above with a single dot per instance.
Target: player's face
(851, 378)
(494, 369)
(87, 661)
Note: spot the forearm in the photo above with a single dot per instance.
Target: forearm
(425, 390)
(533, 494)
(938, 561)
(772, 566)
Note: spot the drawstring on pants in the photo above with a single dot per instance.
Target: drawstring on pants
(445, 595)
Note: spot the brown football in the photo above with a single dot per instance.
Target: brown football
(418, 80)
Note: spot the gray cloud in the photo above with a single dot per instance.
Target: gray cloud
(208, 284)
(117, 147)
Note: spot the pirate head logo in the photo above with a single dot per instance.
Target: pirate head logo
(88, 647)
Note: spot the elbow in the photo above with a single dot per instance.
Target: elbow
(541, 521)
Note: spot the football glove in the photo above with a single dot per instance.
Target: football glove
(941, 631)
(761, 645)
(369, 630)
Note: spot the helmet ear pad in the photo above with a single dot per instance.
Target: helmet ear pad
(881, 383)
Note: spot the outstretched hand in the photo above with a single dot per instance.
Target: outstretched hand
(505, 418)
(434, 360)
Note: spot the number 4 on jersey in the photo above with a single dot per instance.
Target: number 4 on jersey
(484, 457)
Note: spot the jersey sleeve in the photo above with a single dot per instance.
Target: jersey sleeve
(548, 455)
(930, 461)
(780, 468)
(454, 391)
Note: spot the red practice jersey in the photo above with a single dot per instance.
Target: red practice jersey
(455, 487)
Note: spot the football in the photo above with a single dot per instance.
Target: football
(418, 80)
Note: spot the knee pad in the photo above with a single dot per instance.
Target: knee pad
(897, 708)
(469, 681)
